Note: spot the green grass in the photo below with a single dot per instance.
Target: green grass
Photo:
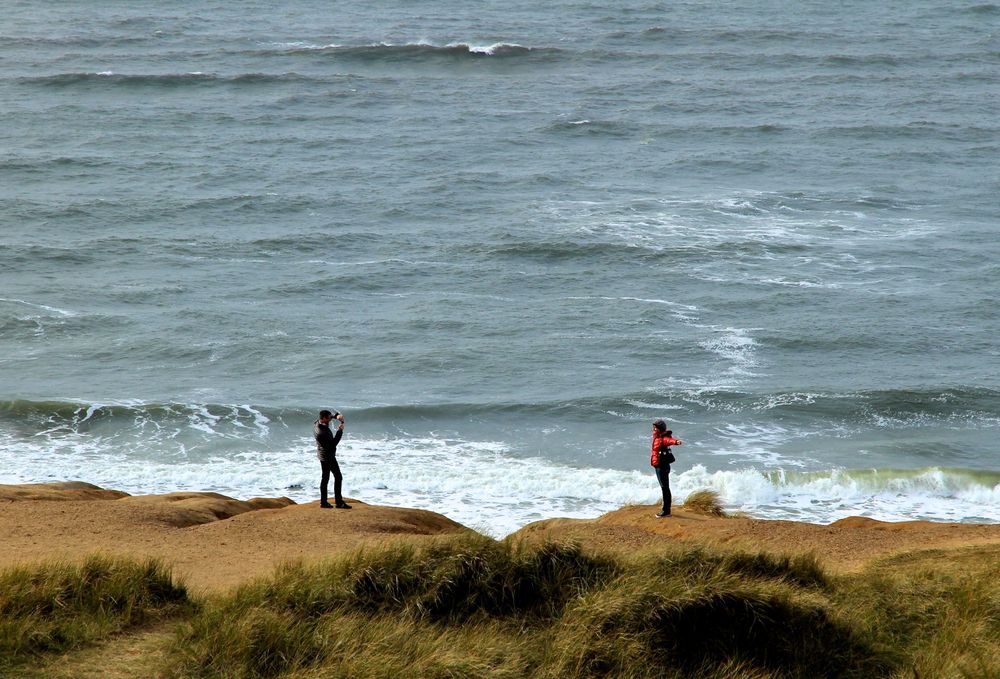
(468, 606)
(53, 607)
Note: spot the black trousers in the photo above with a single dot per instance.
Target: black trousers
(330, 466)
(663, 476)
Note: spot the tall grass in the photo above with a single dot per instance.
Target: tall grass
(468, 606)
(472, 607)
(639, 627)
(292, 620)
(58, 605)
(939, 611)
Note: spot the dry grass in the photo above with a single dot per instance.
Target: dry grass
(704, 502)
(472, 607)
(57, 606)
(135, 652)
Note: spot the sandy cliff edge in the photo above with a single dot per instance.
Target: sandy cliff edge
(842, 546)
(215, 542)
(212, 541)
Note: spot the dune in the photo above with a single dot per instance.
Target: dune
(212, 541)
(215, 542)
(843, 546)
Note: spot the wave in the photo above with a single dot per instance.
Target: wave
(946, 479)
(422, 52)
(918, 130)
(29, 326)
(102, 426)
(59, 162)
(887, 494)
(33, 254)
(21, 320)
(550, 251)
(861, 60)
(593, 128)
(165, 80)
(882, 408)
(889, 407)
(987, 8)
(72, 41)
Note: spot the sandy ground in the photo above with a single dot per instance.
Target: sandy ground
(214, 542)
(843, 546)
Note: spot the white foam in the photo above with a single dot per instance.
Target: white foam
(683, 312)
(790, 398)
(824, 497)
(756, 445)
(761, 225)
(480, 483)
(734, 345)
(485, 49)
(44, 307)
(654, 406)
(298, 45)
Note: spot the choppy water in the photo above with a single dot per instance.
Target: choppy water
(503, 239)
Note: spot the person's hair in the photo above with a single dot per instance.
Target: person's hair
(660, 425)
(670, 433)
(325, 413)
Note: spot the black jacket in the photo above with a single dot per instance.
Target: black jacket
(326, 441)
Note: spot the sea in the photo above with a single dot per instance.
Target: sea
(502, 238)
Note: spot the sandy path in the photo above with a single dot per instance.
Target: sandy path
(134, 653)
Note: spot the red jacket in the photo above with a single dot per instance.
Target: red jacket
(660, 443)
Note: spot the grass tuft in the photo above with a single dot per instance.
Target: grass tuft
(704, 502)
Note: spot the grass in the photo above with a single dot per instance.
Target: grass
(468, 606)
(54, 606)
(705, 502)
(473, 607)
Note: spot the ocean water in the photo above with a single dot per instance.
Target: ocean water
(503, 238)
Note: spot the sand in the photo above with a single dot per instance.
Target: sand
(215, 542)
(844, 546)
(211, 541)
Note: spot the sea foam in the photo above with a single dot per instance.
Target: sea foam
(480, 483)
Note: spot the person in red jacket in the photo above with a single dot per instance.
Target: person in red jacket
(660, 458)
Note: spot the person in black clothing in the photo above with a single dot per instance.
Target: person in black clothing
(326, 451)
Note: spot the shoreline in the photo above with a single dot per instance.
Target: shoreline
(215, 542)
